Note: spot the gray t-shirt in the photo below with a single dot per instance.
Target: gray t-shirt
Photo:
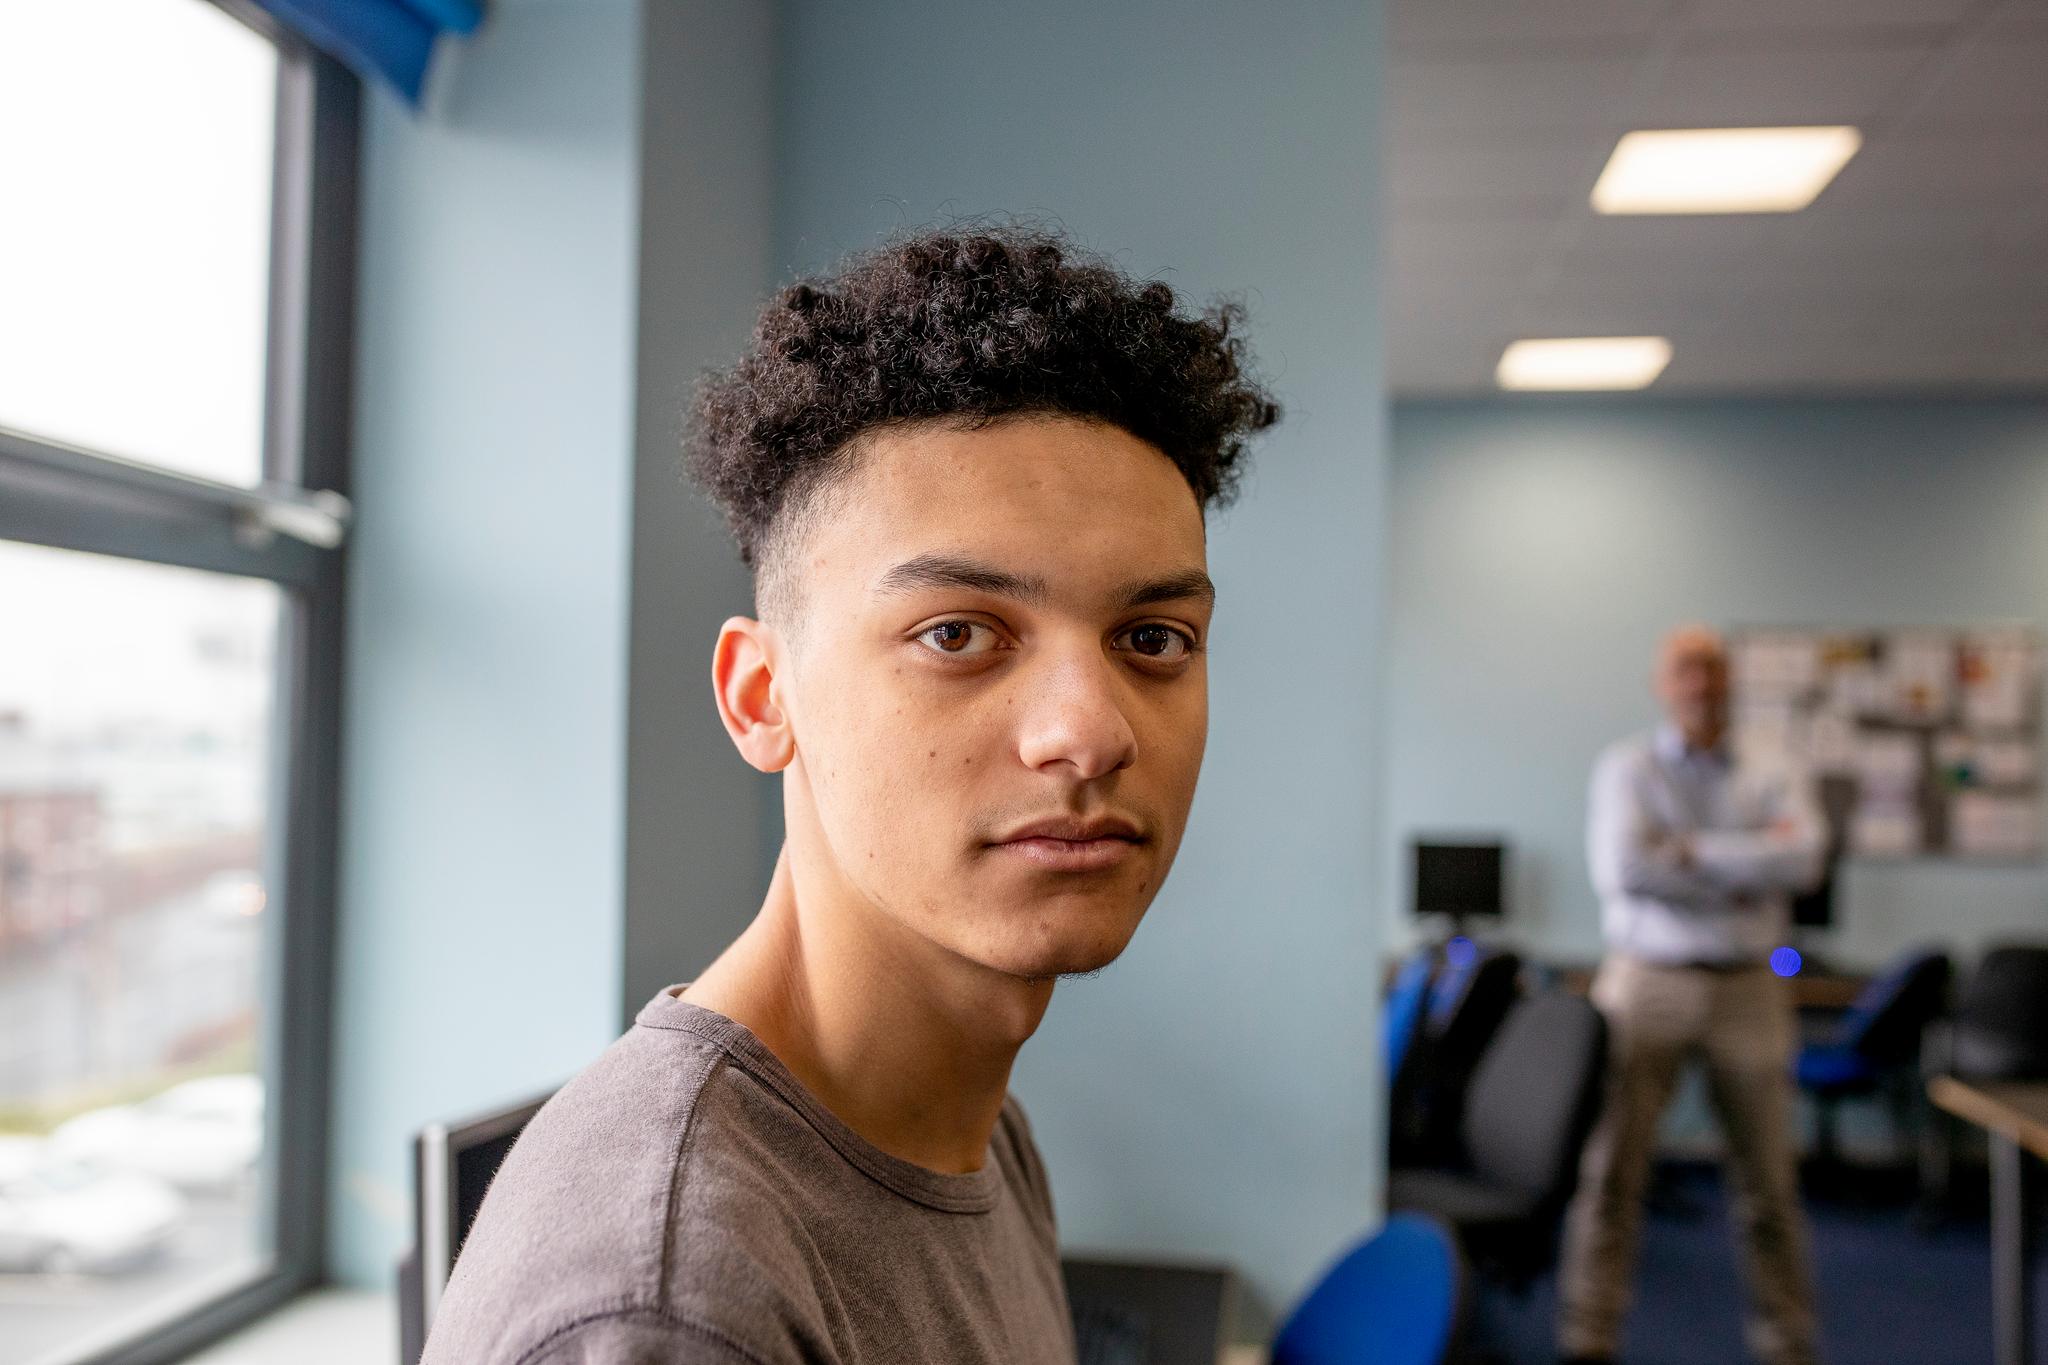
(685, 1199)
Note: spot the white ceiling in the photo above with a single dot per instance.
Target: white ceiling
(1924, 266)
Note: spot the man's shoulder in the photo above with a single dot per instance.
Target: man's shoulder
(580, 1228)
(1627, 754)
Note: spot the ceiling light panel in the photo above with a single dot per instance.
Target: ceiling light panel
(1582, 364)
(1722, 170)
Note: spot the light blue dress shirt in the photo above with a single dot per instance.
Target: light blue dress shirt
(1752, 834)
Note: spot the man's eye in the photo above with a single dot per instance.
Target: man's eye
(1157, 642)
(959, 637)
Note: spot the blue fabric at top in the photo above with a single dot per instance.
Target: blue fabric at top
(390, 40)
(452, 16)
(1392, 1300)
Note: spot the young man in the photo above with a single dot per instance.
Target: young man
(970, 474)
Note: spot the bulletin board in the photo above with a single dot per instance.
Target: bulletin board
(1930, 737)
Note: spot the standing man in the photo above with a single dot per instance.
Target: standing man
(1694, 853)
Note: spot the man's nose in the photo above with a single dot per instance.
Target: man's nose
(1073, 718)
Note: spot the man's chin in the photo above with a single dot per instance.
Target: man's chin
(1050, 962)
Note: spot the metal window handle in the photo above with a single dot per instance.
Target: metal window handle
(319, 518)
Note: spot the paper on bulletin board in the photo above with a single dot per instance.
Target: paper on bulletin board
(2009, 762)
(1887, 829)
(1768, 729)
(1889, 763)
(1920, 670)
(1776, 665)
(1831, 744)
(1983, 823)
(2001, 680)
(1858, 689)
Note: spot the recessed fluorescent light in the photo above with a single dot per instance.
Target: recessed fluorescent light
(1582, 362)
(1722, 170)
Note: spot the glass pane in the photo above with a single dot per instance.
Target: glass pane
(135, 141)
(135, 723)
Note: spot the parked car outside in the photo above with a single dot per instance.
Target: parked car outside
(59, 1216)
(201, 1136)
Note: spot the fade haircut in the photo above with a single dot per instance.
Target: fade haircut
(963, 327)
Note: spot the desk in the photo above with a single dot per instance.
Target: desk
(2015, 1114)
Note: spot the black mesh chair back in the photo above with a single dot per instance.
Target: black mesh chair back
(1885, 1023)
(2001, 1022)
(1535, 1097)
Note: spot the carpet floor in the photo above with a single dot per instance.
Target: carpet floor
(1888, 1291)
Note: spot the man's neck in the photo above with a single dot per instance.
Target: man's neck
(1699, 740)
(908, 1044)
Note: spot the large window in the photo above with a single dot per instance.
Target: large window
(176, 211)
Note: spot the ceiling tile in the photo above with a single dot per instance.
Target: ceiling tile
(1991, 86)
(1812, 83)
(2018, 20)
(1688, 243)
(1790, 17)
(1982, 250)
(1460, 174)
(1918, 269)
(1482, 246)
(1949, 174)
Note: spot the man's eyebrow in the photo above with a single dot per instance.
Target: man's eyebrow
(1171, 588)
(922, 572)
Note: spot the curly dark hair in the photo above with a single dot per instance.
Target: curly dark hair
(968, 325)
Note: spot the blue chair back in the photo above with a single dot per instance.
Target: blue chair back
(1394, 1299)
(1402, 1014)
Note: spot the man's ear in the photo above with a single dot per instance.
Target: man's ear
(743, 678)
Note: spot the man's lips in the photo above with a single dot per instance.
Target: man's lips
(1070, 844)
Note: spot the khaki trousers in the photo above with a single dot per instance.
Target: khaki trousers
(1740, 1024)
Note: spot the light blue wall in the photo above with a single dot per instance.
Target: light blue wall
(1212, 1094)
(483, 768)
(1540, 549)
(699, 837)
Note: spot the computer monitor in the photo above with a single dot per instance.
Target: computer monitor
(1148, 1313)
(1461, 880)
(453, 1164)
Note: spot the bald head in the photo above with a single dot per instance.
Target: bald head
(1692, 684)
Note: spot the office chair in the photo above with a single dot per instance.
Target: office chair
(1876, 1047)
(1999, 1032)
(1401, 1014)
(1396, 1298)
(1469, 995)
(1532, 1104)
